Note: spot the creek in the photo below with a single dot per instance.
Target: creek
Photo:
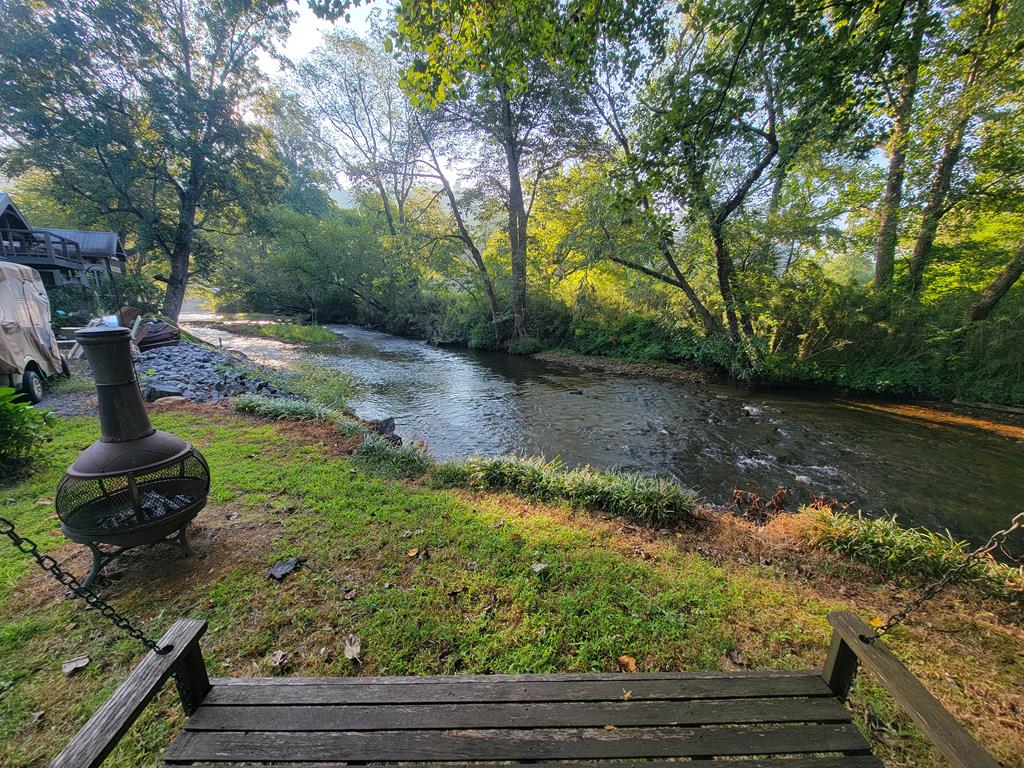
(929, 466)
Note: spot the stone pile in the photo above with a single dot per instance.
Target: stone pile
(198, 373)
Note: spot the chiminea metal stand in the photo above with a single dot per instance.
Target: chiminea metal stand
(136, 485)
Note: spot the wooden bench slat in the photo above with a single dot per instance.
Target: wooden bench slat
(549, 677)
(266, 691)
(833, 761)
(516, 715)
(546, 744)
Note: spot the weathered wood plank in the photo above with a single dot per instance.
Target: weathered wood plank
(516, 715)
(100, 735)
(931, 717)
(265, 691)
(546, 744)
(840, 667)
(832, 761)
(553, 677)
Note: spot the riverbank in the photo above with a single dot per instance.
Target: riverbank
(988, 417)
(437, 581)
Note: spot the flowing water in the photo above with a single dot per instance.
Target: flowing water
(927, 466)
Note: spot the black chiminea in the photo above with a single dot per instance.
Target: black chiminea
(135, 485)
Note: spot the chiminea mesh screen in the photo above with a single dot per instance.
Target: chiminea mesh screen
(101, 506)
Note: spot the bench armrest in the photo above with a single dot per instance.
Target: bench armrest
(89, 747)
(938, 725)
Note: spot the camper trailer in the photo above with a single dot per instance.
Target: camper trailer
(28, 347)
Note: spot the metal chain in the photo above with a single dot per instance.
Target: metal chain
(91, 599)
(997, 540)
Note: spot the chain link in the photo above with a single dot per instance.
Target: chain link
(91, 599)
(996, 541)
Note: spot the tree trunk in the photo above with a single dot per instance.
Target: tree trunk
(464, 234)
(181, 253)
(938, 190)
(935, 203)
(997, 288)
(516, 224)
(885, 247)
(725, 270)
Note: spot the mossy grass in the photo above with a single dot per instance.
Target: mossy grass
(317, 381)
(439, 581)
(302, 334)
(647, 499)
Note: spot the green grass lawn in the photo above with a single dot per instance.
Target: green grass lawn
(437, 582)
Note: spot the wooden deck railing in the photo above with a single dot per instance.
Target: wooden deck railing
(848, 648)
(89, 747)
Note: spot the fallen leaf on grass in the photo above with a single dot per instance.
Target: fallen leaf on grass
(277, 658)
(43, 501)
(412, 552)
(737, 658)
(353, 647)
(350, 595)
(73, 665)
(627, 664)
(539, 567)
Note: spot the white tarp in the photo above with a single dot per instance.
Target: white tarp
(25, 331)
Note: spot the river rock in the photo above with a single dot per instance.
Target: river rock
(157, 390)
(199, 374)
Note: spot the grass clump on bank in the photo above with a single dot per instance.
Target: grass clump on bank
(302, 334)
(289, 409)
(896, 551)
(323, 384)
(377, 455)
(629, 494)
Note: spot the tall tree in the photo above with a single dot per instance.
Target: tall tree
(745, 88)
(508, 71)
(139, 108)
(352, 86)
(899, 136)
(966, 102)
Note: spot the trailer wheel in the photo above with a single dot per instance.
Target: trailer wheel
(32, 386)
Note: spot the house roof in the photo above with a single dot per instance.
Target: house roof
(7, 206)
(92, 244)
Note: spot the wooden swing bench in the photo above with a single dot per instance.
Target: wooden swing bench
(661, 720)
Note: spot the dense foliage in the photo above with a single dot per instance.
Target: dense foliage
(23, 428)
(780, 191)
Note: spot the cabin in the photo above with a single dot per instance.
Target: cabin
(61, 256)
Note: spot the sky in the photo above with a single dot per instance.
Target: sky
(307, 31)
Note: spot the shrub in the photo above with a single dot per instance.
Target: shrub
(23, 430)
(380, 457)
(525, 346)
(896, 551)
(629, 494)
